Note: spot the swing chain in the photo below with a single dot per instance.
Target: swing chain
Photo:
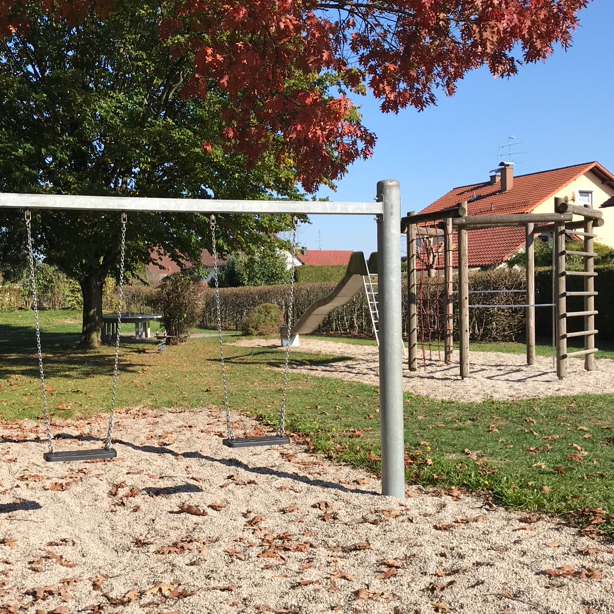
(281, 429)
(120, 299)
(28, 218)
(212, 225)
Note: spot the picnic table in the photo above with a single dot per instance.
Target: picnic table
(141, 321)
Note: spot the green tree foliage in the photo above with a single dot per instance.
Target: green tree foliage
(95, 107)
(263, 267)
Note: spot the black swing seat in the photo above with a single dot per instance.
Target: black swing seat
(247, 442)
(80, 455)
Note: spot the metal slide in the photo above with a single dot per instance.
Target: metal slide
(351, 283)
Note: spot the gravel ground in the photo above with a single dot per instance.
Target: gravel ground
(178, 523)
(493, 375)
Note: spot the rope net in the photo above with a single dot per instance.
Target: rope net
(431, 291)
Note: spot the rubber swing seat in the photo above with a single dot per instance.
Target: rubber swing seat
(247, 442)
(80, 455)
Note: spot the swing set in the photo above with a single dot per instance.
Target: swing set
(387, 211)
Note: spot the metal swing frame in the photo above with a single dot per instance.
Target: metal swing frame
(107, 452)
(387, 211)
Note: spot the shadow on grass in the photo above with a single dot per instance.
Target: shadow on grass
(279, 361)
(227, 462)
(16, 339)
(68, 362)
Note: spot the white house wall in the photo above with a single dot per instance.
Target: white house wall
(601, 193)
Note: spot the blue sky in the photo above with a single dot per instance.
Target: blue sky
(559, 111)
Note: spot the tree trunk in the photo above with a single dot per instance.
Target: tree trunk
(91, 330)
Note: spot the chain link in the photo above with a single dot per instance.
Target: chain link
(212, 225)
(281, 428)
(120, 300)
(28, 218)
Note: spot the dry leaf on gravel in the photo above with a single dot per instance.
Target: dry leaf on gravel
(192, 509)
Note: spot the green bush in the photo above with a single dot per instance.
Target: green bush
(263, 320)
(11, 297)
(177, 297)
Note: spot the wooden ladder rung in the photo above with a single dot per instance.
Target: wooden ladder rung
(581, 333)
(580, 233)
(582, 293)
(573, 314)
(580, 274)
(580, 353)
(572, 252)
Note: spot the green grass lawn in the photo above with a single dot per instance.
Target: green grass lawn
(551, 454)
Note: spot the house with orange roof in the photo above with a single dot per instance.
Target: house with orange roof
(588, 184)
(322, 257)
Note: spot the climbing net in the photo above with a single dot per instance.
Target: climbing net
(431, 290)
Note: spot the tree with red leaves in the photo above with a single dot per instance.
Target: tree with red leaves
(220, 98)
(270, 57)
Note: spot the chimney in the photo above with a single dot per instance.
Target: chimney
(494, 178)
(304, 251)
(507, 176)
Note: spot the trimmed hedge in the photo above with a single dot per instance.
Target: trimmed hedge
(604, 284)
(485, 324)
(311, 273)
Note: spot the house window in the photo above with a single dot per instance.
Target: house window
(585, 198)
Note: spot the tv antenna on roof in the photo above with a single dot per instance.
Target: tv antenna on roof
(509, 149)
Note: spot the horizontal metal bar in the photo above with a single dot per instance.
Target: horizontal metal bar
(185, 205)
(512, 306)
(574, 314)
(490, 291)
(581, 333)
(581, 353)
(571, 252)
(582, 293)
(579, 274)
(513, 219)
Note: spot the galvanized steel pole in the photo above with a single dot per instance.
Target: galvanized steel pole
(391, 340)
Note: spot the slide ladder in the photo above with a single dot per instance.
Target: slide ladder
(352, 282)
(371, 292)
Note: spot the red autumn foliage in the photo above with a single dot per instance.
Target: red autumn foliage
(270, 59)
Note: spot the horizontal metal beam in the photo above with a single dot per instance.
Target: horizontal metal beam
(186, 205)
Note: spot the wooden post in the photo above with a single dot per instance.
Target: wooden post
(530, 294)
(560, 300)
(449, 293)
(589, 299)
(412, 298)
(463, 299)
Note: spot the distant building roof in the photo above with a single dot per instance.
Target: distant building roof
(165, 266)
(493, 246)
(325, 256)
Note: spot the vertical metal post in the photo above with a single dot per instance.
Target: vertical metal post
(391, 340)
(589, 299)
(560, 300)
(412, 298)
(463, 300)
(449, 284)
(530, 294)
